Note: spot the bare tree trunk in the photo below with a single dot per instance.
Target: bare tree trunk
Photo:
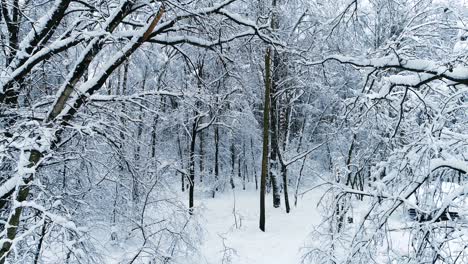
(340, 200)
(283, 137)
(201, 156)
(14, 218)
(200, 146)
(298, 183)
(244, 167)
(233, 163)
(216, 158)
(239, 173)
(274, 117)
(137, 154)
(266, 123)
(193, 140)
(155, 122)
(12, 21)
(254, 167)
(348, 162)
(216, 141)
(114, 211)
(181, 157)
(330, 158)
(274, 151)
(285, 183)
(37, 255)
(153, 136)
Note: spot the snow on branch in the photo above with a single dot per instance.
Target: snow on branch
(42, 28)
(451, 163)
(107, 98)
(8, 186)
(88, 88)
(45, 53)
(196, 41)
(428, 70)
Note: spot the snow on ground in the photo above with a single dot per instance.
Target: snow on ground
(284, 237)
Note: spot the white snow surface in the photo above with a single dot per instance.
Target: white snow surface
(285, 233)
(285, 236)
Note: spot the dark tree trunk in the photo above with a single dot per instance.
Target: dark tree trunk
(114, 211)
(233, 164)
(274, 150)
(216, 158)
(275, 78)
(283, 138)
(192, 164)
(266, 122)
(284, 170)
(181, 157)
(37, 255)
(244, 167)
(298, 183)
(201, 156)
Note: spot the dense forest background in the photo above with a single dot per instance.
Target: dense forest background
(117, 117)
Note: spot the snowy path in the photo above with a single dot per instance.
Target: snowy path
(280, 244)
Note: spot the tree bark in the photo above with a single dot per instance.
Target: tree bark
(244, 167)
(201, 154)
(181, 157)
(284, 170)
(216, 159)
(41, 241)
(274, 151)
(193, 140)
(283, 138)
(266, 123)
(233, 164)
(274, 116)
(14, 219)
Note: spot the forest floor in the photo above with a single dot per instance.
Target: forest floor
(243, 241)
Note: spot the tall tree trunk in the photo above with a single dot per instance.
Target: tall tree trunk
(216, 141)
(153, 136)
(254, 167)
(137, 154)
(198, 104)
(266, 124)
(216, 158)
(298, 182)
(274, 117)
(201, 156)
(284, 170)
(239, 173)
(274, 151)
(233, 163)
(283, 138)
(114, 212)
(12, 21)
(244, 167)
(181, 157)
(193, 140)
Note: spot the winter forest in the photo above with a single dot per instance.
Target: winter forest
(233, 131)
